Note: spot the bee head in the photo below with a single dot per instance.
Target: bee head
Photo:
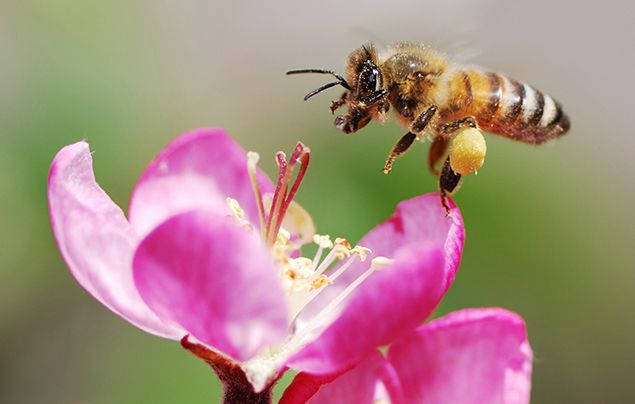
(364, 95)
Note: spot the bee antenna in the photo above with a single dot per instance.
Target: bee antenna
(320, 89)
(340, 80)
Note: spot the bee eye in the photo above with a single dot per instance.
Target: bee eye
(369, 80)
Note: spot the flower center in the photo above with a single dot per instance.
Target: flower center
(302, 278)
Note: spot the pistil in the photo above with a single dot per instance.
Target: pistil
(285, 190)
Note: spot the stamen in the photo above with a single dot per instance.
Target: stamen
(238, 214)
(283, 236)
(342, 248)
(379, 263)
(252, 162)
(361, 252)
(234, 206)
(333, 277)
(342, 268)
(323, 241)
(297, 339)
(320, 281)
(326, 263)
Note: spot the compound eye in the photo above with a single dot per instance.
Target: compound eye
(369, 80)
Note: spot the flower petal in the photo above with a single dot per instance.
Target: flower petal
(421, 220)
(470, 356)
(197, 170)
(96, 240)
(417, 221)
(356, 385)
(389, 303)
(215, 279)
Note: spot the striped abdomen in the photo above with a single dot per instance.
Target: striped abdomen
(505, 106)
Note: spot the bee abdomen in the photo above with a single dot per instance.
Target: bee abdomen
(510, 108)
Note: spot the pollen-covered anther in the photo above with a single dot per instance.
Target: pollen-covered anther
(304, 266)
(252, 160)
(361, 252)
(321, 281)
(379, 263)
(283, 236)
(323, 241)
(341, 248)
(296, 273)
(238, 214)
(279, 252)
(235, 208)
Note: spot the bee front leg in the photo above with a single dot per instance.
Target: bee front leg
(336, 104)
(402, 146)
(449, 183)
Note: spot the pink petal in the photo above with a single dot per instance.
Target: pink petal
(421, 220)
(389, 303)
(215, 279)
(417, 221)
(470, 356)
(96, 240)
(197, 170)
(356, 385)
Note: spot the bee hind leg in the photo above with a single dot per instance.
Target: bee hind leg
(450, 127)
(437, 150)
(449, 183)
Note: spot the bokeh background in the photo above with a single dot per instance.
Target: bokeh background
(550, 229)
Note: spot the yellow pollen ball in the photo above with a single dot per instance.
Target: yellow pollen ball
(468, 151)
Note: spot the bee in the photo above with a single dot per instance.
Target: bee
(440, 100)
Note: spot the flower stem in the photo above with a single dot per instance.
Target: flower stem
(244, 394)
(236, 387)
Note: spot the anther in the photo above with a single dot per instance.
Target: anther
(283, 236)
(235, 208)
(321, 281)
(361, 252)
(324, 241)
(341, 248)
(379, 263)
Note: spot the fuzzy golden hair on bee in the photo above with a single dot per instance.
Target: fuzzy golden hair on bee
(438, 99)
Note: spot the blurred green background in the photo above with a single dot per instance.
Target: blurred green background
(550, 231)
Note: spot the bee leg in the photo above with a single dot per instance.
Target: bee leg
(336, 104)
(449, 183)
(448, 128)
(437, 151)
(417, 127)
(375, 97)
(400, 148)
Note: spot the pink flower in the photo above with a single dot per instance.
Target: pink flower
(212, 250)
(471, 356)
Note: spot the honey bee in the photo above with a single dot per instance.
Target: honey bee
(445, 102)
